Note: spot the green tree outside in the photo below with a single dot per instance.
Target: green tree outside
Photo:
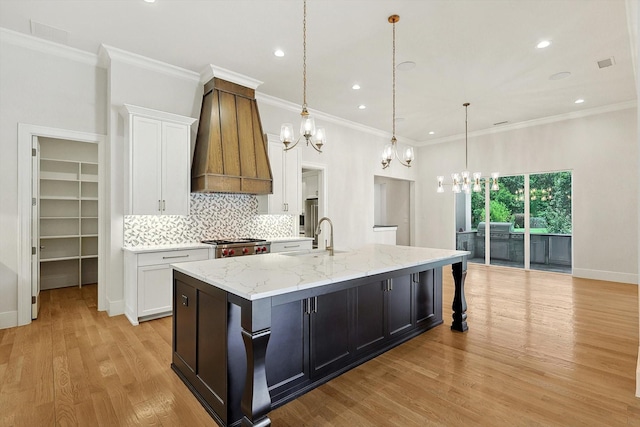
(550, 203)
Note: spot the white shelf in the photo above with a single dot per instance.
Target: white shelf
(64, 258)
(68, 192)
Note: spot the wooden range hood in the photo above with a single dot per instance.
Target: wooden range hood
(231, 152)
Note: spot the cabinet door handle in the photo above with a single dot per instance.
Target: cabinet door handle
(306, 306)
(390, 284)
(164, 205)
(315, 304)
(175, 256)
(160, 205)
(185, 300)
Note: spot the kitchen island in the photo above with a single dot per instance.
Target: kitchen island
(252, 333)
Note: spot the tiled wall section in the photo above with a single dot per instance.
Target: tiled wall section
(213, 216)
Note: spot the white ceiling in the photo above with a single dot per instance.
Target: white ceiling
(478, 51)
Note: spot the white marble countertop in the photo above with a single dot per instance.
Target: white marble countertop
(168, 247)
(268, 275)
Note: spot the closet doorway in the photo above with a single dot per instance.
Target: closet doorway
(68, 213)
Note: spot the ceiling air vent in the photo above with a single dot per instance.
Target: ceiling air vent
(47, 32)
(606, 63)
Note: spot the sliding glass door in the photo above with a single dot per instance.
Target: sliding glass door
(528, 224)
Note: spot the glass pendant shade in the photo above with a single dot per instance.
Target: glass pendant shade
(440, 184)
(286, 134)
(476, 182)
(320, 137)
(387, 153)
(456, 182)
(494, 184)
(307, 126)
(465, 182)
(408, 155)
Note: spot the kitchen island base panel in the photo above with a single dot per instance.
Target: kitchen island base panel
(249, 325)
(459, 305)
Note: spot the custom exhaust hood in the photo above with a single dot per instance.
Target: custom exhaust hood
(230, 154)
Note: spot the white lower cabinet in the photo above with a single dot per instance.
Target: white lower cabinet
(148, 281)
(291, 245)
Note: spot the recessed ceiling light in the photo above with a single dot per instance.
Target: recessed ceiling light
(279, 53)
(560, 75)
(362, 106)
(355, 86)
(406, 65)
(543, 44)
(578, 101)
(431, 133)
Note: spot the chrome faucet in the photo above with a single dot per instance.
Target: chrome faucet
(330, 247)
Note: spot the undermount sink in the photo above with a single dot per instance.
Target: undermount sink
(311, 253)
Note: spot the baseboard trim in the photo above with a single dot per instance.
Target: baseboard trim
(115, 308)
(8, 319)
(610, 276)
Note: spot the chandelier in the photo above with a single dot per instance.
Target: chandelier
(390, 151)
(464, 181)
(316, 137)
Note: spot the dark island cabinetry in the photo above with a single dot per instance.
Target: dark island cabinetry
(240, 356)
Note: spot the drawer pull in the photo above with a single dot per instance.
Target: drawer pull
(175, 256)
(294, 246)
(185, 300)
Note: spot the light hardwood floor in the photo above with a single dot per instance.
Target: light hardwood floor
(542, 350)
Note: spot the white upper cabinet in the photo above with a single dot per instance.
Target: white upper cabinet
(157, 153)
(287, 180)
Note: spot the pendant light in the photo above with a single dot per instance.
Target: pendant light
(390, 151)
(316, 137)
(464, 181)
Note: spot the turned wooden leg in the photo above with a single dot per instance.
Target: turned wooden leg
(459, 301)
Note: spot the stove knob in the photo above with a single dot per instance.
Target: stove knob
(232, 252)
(258, 250)
(245, 250)
(225, 252)
(264, 249)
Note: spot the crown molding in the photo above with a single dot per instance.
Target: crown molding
(128, 109)
(28, 41)
(211, 71)
(535, 122)
(290, 106)
(116, 54)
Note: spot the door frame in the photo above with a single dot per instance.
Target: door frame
(26, 132)
(323, 194)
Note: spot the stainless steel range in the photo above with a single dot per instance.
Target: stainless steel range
(226, 248)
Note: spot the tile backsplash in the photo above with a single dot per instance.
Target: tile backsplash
(213, 216)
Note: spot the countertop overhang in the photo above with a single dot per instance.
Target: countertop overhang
(268, 275)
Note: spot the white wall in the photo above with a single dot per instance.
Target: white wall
(46, 89)
(602, 152)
